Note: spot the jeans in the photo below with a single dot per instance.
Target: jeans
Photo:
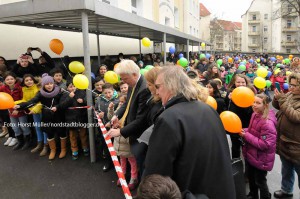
(41, 136)
(288, 175)
(19, 125)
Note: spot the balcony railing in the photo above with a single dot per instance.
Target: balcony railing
(253, 45)
(251, 21)
(289, 43)
(290, 29)
(254, 33)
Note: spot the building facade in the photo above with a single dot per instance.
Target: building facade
(270, 26)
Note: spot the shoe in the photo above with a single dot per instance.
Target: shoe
(27, 143)
(13, 142)
(44, 151)
(38, 147)
(107, 166)
(75, 155)
(281, 194)
(63, 147)
(86, 152)
(8, 141)
(4, 133)
(20, 143)
(133, 183)
(52, 145)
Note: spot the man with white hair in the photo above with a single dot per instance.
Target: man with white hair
(131, 116)
(189, 142)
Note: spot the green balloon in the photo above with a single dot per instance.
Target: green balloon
(218, 66)
(268, 83)
(196, 61)
(149, 67)
(287, 61)
(242, 67)
(202, 56)
(278, 65)
(183, 62)
(143, 71)
(219, 61)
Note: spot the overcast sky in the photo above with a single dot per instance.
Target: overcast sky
(231, 10)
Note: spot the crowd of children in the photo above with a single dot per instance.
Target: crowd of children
(49, 99)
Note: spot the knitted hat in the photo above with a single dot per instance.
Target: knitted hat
(46, 79)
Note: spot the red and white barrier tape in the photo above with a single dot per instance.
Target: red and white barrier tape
(114, 158)
(79, 107)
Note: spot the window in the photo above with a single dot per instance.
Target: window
(288, 23)
(176, 17)
(253, 40)
(265, 50)
(265, 28)
(191, 6)
(289, 37)
(167, 21)
(194, 31)
(289, 8)
(265, 39)
(106, 1)
(133, 7)
(191, 29)
(253, 17)
(266, 16)
(253, 50)
(254, 28)
(288, 50)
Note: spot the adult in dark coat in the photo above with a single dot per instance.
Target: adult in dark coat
(193, 152)
(133, 121)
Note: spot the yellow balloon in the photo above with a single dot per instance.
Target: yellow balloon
(257, 60)
(262, 72)
(277, 71)
(76, 67)
(203, 44)
(260, 82)
(146, 42)
(288, 73)
(81, 81)
(111, 77)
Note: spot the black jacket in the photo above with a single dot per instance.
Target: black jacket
(135, 123)
(21, 71)
(189, 145)
(46, 67)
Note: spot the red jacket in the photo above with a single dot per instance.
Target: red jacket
(281, 81)
(16, 94)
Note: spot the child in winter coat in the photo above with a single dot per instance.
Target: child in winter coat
(18, 119)
(52, 113)
(259, 147)
(108, 95)
(122, 148)
(30, 89)
(76, 118)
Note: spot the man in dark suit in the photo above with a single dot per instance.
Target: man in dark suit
(129, 120)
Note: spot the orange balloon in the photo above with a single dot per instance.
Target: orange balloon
(116, 66)
(212, 102)
(6, 101)
(231, 122)
(230, 60)
(56, 46)
(242, 96)
(178, 62)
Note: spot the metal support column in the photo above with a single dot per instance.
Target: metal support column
(87, 64)
(165, 47)
(187, 50)
(140, 43)
(98, 49)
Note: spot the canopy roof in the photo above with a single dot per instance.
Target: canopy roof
(103, 19)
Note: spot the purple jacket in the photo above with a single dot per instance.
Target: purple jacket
(260, 141)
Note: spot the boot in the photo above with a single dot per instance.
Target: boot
(27, 142)
(38, 147)
(63, 147)
(20, 143)
(44, 151)
(52, 146)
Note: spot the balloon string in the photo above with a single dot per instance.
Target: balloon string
(92, 91)
(65, 67)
